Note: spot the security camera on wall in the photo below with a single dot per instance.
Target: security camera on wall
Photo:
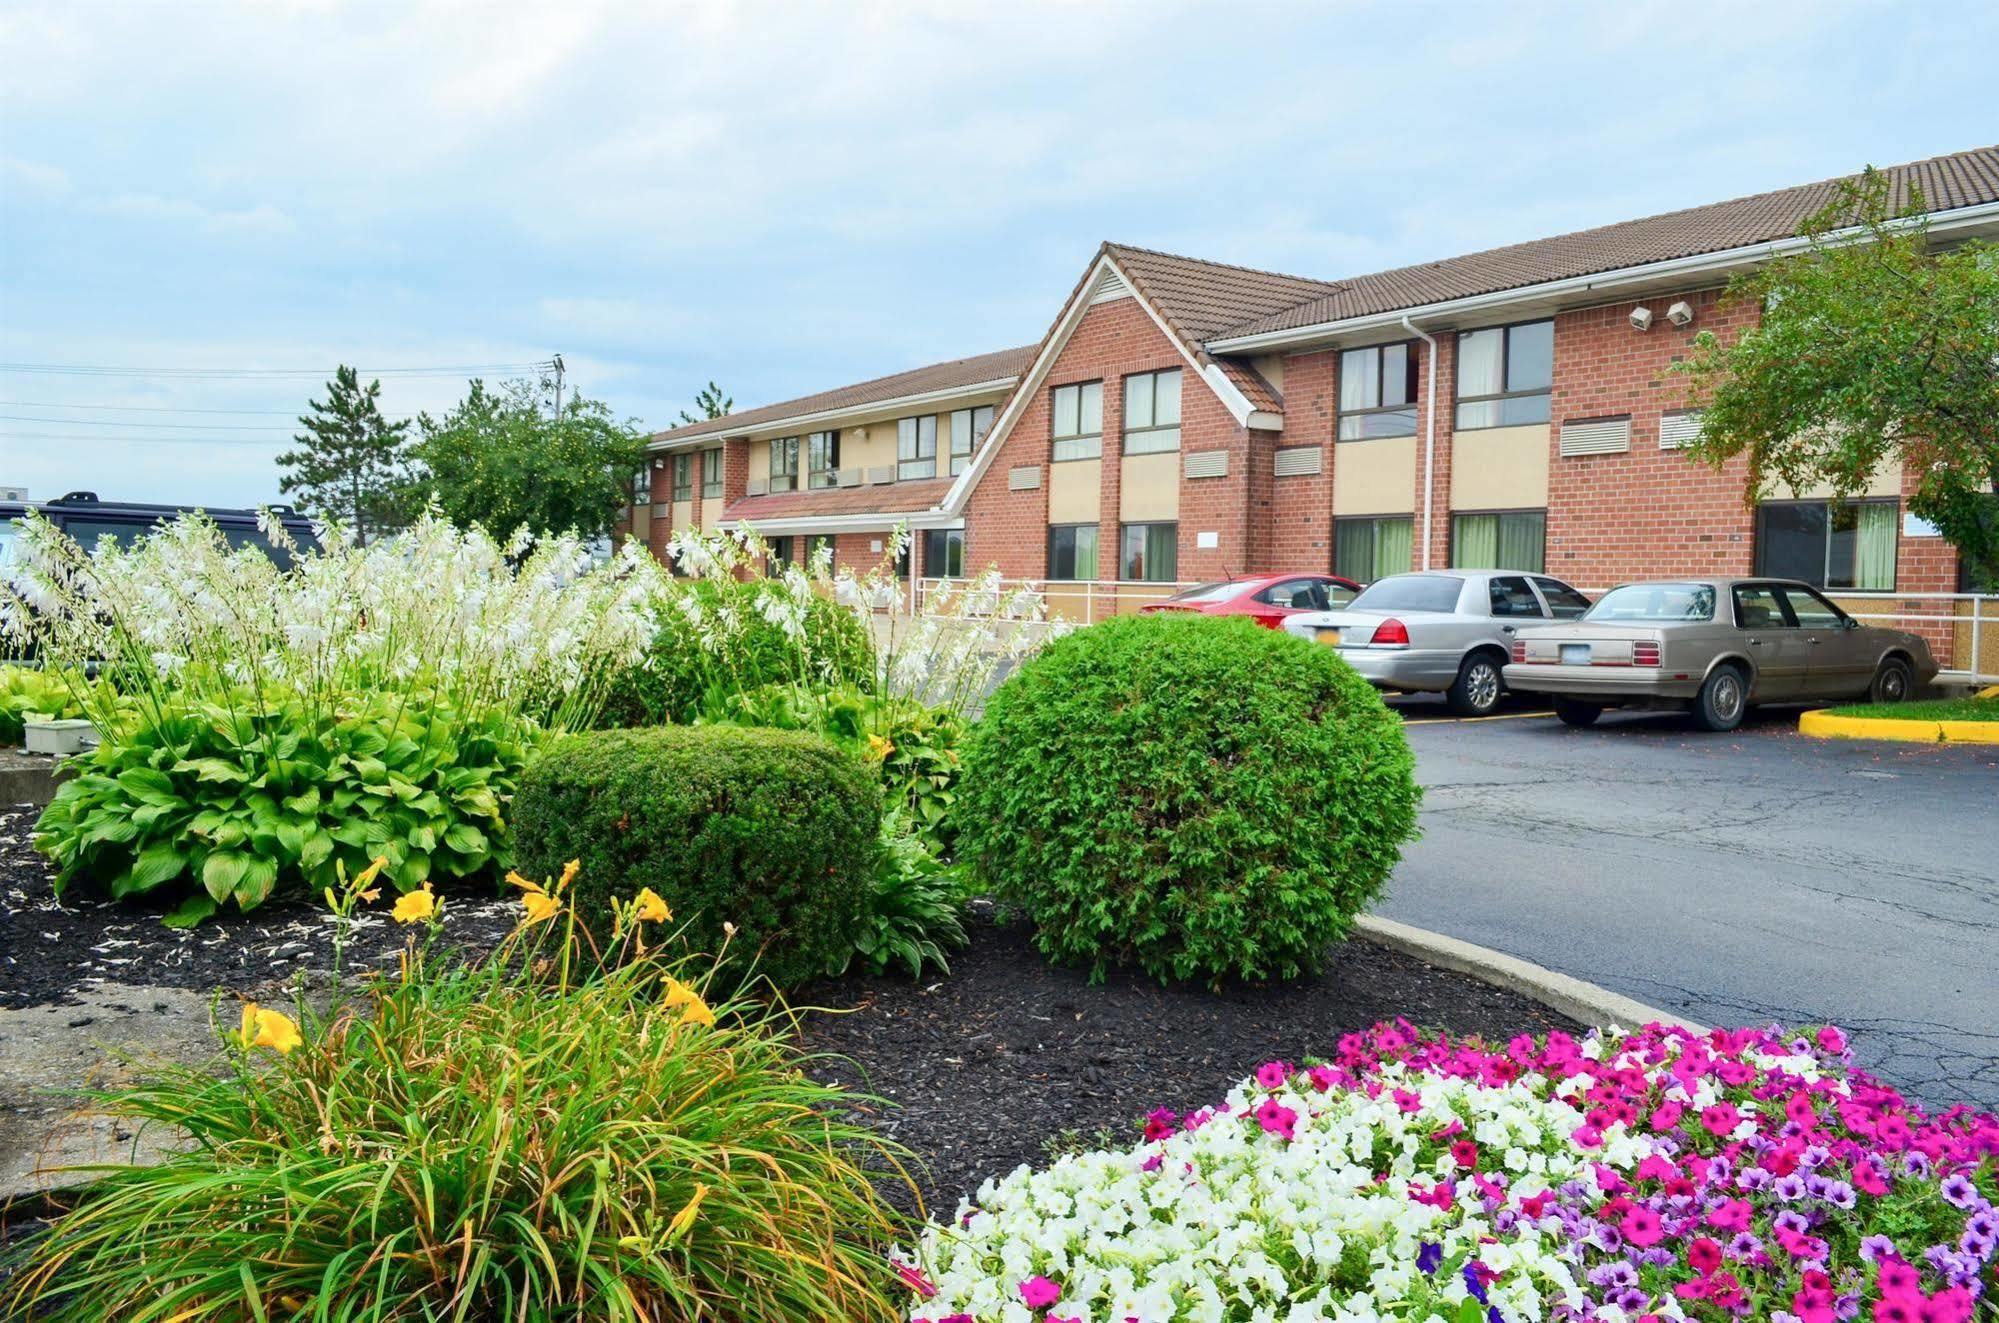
(1680, 314)
(1641, 318)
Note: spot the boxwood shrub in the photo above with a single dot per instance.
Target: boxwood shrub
(773, 831)
(1197, 796)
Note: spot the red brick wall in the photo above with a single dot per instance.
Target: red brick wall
(1291, 518)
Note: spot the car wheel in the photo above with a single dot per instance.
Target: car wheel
(1574, 712)
(1723, 700)
(1477, 690)
(1893, 683)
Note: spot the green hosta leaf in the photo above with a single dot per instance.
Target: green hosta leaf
(212, 769)
(412, 872)
(314, 849)
(224, 871)
(305, 803)
(464, 838)
(190, 911)
(155, 865)
(148, 786)
(259, 876)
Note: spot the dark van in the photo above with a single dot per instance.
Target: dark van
(85, 519)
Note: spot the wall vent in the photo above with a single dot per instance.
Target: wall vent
(1109, 288)
(1026, 478)
(1677, 429)
(1298, 461)
(1205, 464)
(1597, 436)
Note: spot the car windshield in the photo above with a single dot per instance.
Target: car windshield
(1209, 592)
(1411, 592)
(1655, 603)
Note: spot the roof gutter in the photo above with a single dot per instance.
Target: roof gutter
(1602, 281)
(1429, 433)
(725, 427)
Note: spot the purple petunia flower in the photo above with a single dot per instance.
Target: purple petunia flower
(1958, 1191)
(1876, 1248)
(1789, 1188)
(1429, 1257)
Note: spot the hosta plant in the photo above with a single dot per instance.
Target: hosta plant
(914, 914)
(29, 691)
(207, 804)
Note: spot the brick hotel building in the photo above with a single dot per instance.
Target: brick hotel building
(1183, 420)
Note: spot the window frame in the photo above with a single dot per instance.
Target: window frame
(683, 477)
(1823, 583)
(1373, 549)
(642, 484)
(1124, 420)
(1077, 440)
(961, 458)
(711, 482)
(949, 537)
(1341, 415)
(784, 462)
(1460, 399)
(1451, 541)
(780, 548)
(812, 545)
(822, 445)
(1096, 553)
(1124, 536)
(908, 468)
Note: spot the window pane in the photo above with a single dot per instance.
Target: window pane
(1565, 602)
(1162, 548)
(1510, 596)
(1359, 379)
(1395, 375)
(1874, 547)
(1475, 542)
(1166, 398)
(1520, 540)
(1791, 541)
(1524, 409)
(1530, 356)
(1353, 549)
(1090, 410)
(1757, 608)
(1065, 410)
(1479, 358)
(1363, 426)
(1153, 441)
(1080, 447)
(1812, 611)
(1478, 414)
(926, 435)
(961, 431)
(1086, 551)
(982, 422)
(1137, 401)
(1394, 546)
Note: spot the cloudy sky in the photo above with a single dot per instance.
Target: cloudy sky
(220, 202)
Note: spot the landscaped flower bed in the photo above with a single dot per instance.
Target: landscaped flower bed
(1647, 1176)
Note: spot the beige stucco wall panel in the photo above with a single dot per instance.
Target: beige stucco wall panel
(1375, 477)
(1500, 468)
(1075, 491)
(683, 516)
(1149, 490)
(1887, 481)
(711, 511)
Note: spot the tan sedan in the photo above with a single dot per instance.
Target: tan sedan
(1714, 647)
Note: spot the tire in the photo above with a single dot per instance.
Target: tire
(1893, 683)
(1723, 700)
(1479, 686)
(1575, 712)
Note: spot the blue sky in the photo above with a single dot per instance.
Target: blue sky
(787, 198)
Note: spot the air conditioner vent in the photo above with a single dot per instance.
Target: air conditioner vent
(1677, 429)
(1298, 461)
(1026, 478)
(1205, 464)
(1596, 436)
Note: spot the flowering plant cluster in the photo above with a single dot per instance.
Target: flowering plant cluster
(1622, 1178)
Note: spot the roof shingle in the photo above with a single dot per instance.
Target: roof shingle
(888, 498)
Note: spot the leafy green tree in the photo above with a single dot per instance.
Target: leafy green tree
(712, 404)
(351, 462)
(1876, 345)
(500, 458)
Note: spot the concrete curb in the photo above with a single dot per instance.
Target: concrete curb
(1585, 1002)
(1826, 726)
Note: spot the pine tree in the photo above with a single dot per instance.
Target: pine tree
(351, 462)
(712, 404)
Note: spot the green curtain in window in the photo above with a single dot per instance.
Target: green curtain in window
(1874, 549)
(1353, 549)
(1162, 552)
(1394, 545)
(1520, 542)
(1475, 542)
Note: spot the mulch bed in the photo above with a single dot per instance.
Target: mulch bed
(50, 950)
(1007, 1052)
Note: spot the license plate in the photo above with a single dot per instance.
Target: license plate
(1329, 637)
(1575, 654)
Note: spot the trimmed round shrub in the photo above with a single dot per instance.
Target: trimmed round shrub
(1197, 796)
(680, 669)
(773, 831)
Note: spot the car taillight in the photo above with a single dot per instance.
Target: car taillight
(1519, 650)
(1642, 654)
(1391, 631)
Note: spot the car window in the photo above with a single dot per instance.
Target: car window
(1298, 594)
(1564, 602)
(1411, 592)
(10, 536)
(1757, 607)
(1655, 603)
(1512, 597)
(1811, 610)
(1337, 594)
(86, 532)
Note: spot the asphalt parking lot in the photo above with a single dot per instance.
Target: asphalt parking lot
(1733, 879)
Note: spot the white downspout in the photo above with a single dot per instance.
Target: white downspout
(1429, 433)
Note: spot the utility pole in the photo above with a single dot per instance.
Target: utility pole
(558, 388)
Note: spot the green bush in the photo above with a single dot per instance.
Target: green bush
(28, 690)
(772, 831)
(1199, 797)
(207, 803)
(491, 1144)
(914, 911)
(713, 639)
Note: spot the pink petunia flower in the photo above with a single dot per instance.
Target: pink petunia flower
(1039, 1292)
(1276, 1118)
(1272, 1074)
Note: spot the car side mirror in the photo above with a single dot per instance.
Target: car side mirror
(1848, 622)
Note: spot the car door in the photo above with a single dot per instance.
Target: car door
(1513, 603)
(1773, 641)
(1564, 602)
(1840, 662)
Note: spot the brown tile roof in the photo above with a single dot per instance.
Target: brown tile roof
(1005, 363)
(1960, 180)
(888, 498)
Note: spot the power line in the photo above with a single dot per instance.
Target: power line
(144, 440)
(103, 370)
(113, 422)
(162, 408)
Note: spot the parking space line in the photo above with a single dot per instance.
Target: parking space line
(1462, 721)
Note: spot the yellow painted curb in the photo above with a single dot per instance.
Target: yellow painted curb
(1824, 725)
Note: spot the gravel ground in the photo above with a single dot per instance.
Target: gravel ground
(50, 951)
(987, 1064)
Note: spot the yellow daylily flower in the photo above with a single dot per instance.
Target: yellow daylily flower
(415, 906)
(266, 1028)
(696, 1012)
(647, 907)
(569, 872)
(540, 905)
(684, 1219)
(879, 748)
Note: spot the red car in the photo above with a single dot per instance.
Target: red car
(1264, 598)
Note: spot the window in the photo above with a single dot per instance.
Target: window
(944, 553)
(1151, 553)
(1378, 392)
(1655, 603)
(1757, 607)
(780, 553)
(1812, 611)
(1509, 595)
(1505, 540)
(1152, 412)
(1412, 592)
(784, 464)
(1305, 595)
(916, 447)
(816, 543)
(1504, 375)
(1564, 602)
(683, 477)
(1848, 545)
(822, 457)
(968, 428)
(711, 472)
(642, 484)
(1368, 549)
(1072, 551)
(1079, 421)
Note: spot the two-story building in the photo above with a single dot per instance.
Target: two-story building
(1184, 420)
